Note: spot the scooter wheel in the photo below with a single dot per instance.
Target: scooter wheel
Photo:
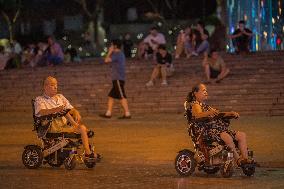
(32, 157)
(90, 164)
(70, 163)
(248, 170)
(185, 163)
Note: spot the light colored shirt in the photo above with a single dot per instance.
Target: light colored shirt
(159, 39)
(17, 48)
(216, 64)
(3, 60)
(45, 102)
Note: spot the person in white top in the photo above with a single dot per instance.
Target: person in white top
(17, 49)
(51, 102)
(4, 57)
(150, 44)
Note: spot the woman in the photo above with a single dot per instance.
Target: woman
(181, 41)
(217, 128)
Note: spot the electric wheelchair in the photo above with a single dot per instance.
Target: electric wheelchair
(209, 155)
(56, 148)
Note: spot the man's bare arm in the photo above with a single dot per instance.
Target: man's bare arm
(108, 58)
(71, 120)
(44, 112)
(76, 115)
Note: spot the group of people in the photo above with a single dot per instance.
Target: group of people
(50, 102)
(41, 54)
(191, 42)
(217, 129)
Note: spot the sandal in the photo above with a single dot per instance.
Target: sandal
(241, 161)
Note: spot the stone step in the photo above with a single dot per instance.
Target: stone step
(253, 86)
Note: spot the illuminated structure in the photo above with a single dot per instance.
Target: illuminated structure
(263, 17)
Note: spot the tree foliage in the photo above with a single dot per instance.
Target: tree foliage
(10, 10)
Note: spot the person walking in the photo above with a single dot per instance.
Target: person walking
(116, 59)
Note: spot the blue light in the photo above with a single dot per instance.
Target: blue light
(259, 15)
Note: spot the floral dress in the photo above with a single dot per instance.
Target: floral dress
(211, 128)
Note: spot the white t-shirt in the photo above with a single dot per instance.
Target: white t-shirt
(45, 102)
(17, 48)
(3, 60)
(159, 39)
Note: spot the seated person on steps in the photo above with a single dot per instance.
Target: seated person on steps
(50, 103)
(214, 67)
(163, 61)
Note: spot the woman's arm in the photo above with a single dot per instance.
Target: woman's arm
(232, 113)
(197, 112)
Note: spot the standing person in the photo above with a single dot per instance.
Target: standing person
(4, 57)
(116, 59)
(214, 67)
(241, 38)
(182, 40)
(55, 54)
(164, 60)
(127, 45)
(190, 44)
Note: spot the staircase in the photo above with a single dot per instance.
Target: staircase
(255, 86)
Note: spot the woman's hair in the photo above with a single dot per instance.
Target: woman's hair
(191, 97)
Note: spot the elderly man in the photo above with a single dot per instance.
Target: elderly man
(51, 102)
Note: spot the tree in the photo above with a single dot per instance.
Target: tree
(10, 10)
(92, 10)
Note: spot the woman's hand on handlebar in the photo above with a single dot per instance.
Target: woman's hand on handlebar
(233, 114)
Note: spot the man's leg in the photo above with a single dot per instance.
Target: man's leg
(109, 106)
(83, 131)
(154, 75)
(223, 74)
(179, 48)
(141, 50)
(124, 105)
(164, 74)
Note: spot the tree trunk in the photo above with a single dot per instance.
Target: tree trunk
(223, 5)
(9, 24)
(11, 32)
